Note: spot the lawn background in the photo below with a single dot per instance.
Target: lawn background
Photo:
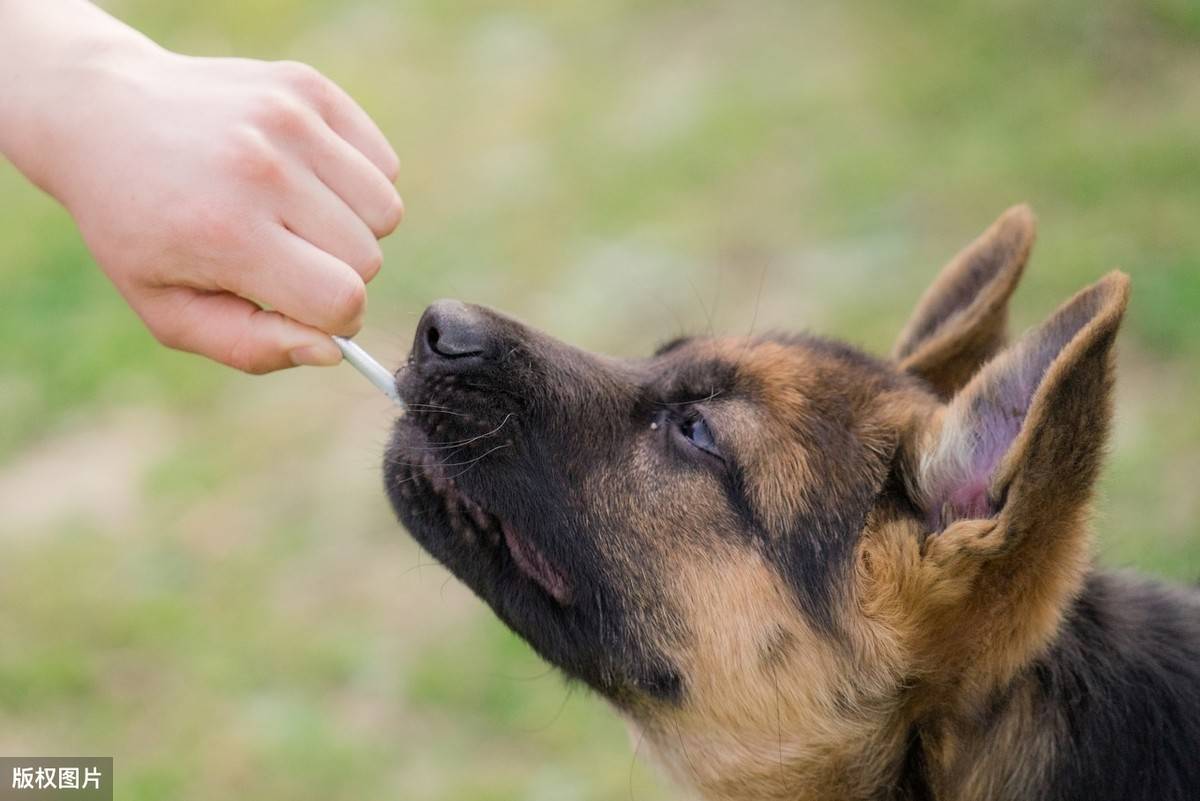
(199, 574)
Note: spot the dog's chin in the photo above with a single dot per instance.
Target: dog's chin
(488, 553)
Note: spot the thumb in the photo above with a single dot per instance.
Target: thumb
(236, 332)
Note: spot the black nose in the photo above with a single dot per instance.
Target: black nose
(453, 334)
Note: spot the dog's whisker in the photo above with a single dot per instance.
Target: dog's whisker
(762, 280)
(467, 463)
(687, 757)
(535, 677)
(432, 409)
(708, 316)
(471, 463)
(633, 761)
(441, 446)
(778, 720)
(417, 567)
(562, 706)
(436, 411)
(716, 393)
(716, 296)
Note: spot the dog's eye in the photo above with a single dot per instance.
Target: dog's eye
(696, 431)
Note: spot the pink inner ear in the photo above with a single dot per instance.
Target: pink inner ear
(992, 417)
(970, 500)
(995, 419)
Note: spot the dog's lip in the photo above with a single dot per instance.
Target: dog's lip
(534, 564)
(529, 560)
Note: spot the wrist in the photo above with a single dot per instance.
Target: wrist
(58, 58)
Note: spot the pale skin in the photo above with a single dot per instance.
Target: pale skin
(235, 204)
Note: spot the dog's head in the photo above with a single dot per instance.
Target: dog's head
(771, 553)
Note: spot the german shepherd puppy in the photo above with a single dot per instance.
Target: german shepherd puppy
(801, 572)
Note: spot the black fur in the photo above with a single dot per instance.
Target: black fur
(1121, 687)
(1116, 694)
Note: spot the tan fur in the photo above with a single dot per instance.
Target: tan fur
(938, 622)
(801, 573)
(740, 733)
(771, 454)
(775, 459)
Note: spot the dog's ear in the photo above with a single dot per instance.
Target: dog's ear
(961, 320)
(1001, 477)
(1024, 438)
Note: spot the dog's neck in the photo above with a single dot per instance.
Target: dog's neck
(1006, 746)
(1123, 664)
(851, 763)
(1087, 718)
(885, 756)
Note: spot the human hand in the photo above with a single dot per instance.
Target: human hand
(209, 188)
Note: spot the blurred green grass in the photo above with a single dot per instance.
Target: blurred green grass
(198, 571)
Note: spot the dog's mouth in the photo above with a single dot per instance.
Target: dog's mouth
(534, 564)
(467, 518)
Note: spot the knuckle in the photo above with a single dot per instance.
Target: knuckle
(166, 332)
(303, 79)
(282, 113)
(243, 355)
(251, 157)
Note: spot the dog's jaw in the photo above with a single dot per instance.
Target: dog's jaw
(534, 564)
(434, 507)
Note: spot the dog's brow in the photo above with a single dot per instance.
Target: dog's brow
(672, 344)
(697, 381)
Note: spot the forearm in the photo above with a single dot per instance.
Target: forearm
(50, 52)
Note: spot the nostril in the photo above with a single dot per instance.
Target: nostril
(454, 344)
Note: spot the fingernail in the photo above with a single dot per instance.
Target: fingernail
(315, 355)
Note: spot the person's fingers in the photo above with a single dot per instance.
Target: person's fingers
(302, 281)
(344, 116)
(235, 332)
(351, 123)
(356, 181)
(315, 213)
